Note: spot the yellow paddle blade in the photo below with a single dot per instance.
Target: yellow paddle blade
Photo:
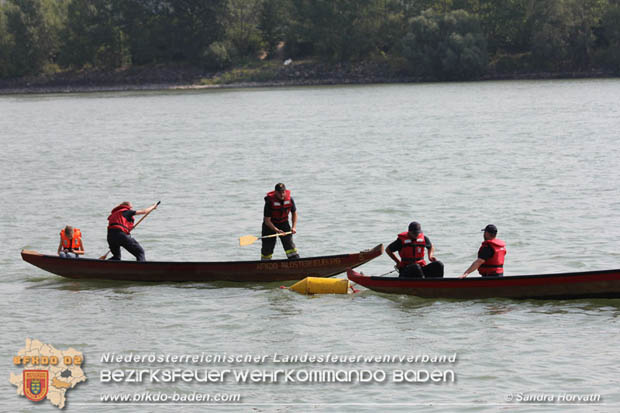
(247, 240)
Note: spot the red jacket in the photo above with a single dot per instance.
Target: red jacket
(495, 264)
(412, 250)
(279, 209)
(118, 220)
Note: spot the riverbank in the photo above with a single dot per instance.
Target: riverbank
(264, 74)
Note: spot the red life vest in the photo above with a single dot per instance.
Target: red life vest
(118, 220)
(279, 209)
(495, 264)
(71, 243)
(412, 250)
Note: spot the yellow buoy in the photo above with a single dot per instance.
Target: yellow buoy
(315, 285)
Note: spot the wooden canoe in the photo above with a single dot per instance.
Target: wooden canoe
(587, 284)
(164, 271)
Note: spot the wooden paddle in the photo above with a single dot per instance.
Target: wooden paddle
(103, 257)
(251, 239)
(389, 272)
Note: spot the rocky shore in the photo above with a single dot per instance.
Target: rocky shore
(269, 74)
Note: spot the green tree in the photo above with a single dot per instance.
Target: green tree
(171, 30)
(448, 46)
(273, 20)
(336, 30)
(507, 25)
(610, 33)
(585, 16)
(6, 46)
(550, 36)
(194, 25)
(34, 27)
(93, 35)
(146, 25)
(563, 33)
(242, 26)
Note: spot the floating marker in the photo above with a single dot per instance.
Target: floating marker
(316, 285)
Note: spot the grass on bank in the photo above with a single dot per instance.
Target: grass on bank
(263, 71)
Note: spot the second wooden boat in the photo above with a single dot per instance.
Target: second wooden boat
(586, 284)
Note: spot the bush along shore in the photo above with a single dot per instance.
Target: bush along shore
(265, 74)
(79, 45)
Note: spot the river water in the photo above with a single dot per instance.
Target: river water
(538, 159)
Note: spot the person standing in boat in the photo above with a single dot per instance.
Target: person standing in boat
(490, 261)
(411, 247)
(120, 224)
(278, 205)
(70, 243)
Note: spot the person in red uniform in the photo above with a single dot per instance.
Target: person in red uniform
(490, 261)
(411, 247)
(120, 224)
(70, 243)
(278, 205)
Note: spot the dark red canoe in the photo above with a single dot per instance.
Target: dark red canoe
(587, 284)
(242, 271)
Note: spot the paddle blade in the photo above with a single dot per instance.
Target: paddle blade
(247, 240)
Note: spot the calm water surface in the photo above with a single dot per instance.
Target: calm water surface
(538, 159)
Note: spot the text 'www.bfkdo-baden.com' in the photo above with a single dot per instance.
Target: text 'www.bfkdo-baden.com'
(175, 397)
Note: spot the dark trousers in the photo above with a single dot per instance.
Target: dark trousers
(433, 269)
(269, 244)
(118, 239)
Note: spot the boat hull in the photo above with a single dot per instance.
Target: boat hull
(589, 284)
(238, 271)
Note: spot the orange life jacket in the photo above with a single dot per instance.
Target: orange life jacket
(495, 264)
(118, 220)
(71, 243)
(412, 250)
(279, 209)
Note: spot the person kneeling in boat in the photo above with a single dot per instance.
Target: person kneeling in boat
(278, 204)
(120, 224)
(70, 243)
(411, 246)
(490, 261)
